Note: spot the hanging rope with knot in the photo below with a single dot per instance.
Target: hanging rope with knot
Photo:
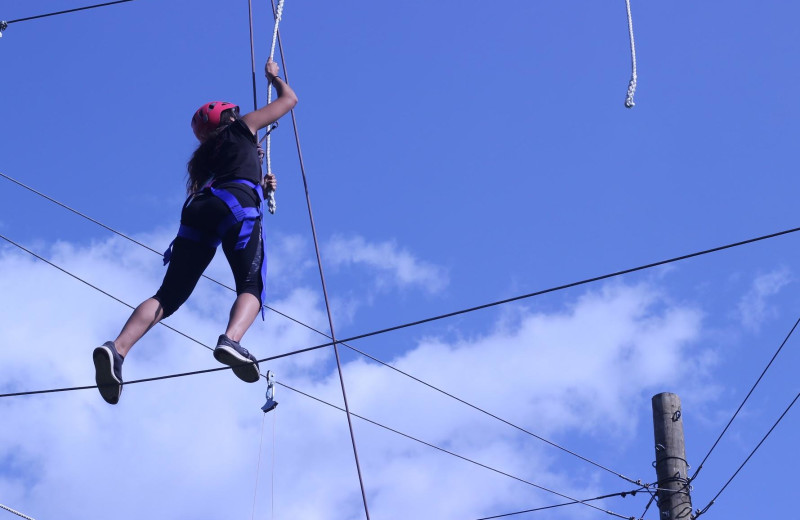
(632, 84)
(271, 205)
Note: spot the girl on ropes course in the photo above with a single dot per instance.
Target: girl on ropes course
(225, 190)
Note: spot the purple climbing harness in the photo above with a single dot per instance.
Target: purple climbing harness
(247, 216)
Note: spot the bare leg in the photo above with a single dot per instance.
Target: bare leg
(243, 313)
(143, 318)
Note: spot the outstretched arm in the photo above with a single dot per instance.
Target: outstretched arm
(270, 113)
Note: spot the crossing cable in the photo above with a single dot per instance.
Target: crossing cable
(474, 407)
(277, 37)
(15, 181)
(62, 12)
(325, 335)
(15, 512)
(39, 257)
(451, 314)
(622, 494)
(571, 285)
(491, 304)
(443, 450)
(467, 310)
(785, 340)
(271, 358)
(126, 237)
(196, 372)
(522, 296)
(700, 512)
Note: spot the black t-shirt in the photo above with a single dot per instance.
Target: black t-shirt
(237, 158)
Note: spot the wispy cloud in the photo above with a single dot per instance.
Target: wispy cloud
(191, 444)
(391, 265)
(754, 308)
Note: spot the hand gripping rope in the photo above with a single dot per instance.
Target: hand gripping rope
(271, 204)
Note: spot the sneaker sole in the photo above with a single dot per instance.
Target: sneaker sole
(110, 387)
(228, 356)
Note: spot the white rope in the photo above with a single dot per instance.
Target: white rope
(15, 512)
(271, 205)
(632, 85)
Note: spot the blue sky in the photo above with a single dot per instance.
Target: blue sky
(457, 152)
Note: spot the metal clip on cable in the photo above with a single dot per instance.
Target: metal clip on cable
(3, 27)
(271, 402)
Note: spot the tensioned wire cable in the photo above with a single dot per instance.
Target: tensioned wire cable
(96, 289)
(443, 450)
(276, 37)
(9, 22)
(205, 371)
(713, 500)
(649, 503)
(480, 307)
(622, 494)
(433, 387)
(131, 239)
(471, 309)
(736, 413)
(308, 395)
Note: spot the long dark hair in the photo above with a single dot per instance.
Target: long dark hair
(199, 165)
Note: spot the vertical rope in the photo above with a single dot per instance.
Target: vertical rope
(324, 286)
(252, 54)
(271, 204)
(632, 84)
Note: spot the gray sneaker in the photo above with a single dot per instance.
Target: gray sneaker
(108, 371)
(243, 363)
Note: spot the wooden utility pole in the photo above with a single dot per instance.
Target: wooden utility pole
(674, 500)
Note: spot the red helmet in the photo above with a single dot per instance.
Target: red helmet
(206, 119)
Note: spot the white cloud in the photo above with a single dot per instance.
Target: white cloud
(754, 308)
(187, 448)
(392, 265)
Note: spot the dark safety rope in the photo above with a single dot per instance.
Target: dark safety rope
(322, 277)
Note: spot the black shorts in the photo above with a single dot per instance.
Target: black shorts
(190, 259)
